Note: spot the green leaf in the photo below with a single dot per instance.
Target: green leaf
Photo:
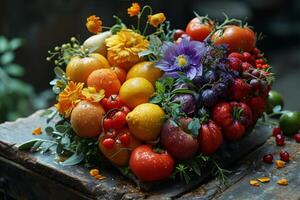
(7, 58)
(3, 44)
(28, 144)
(14, 70)
(183, 91)
(61, 128)
(15, 43)
(196, 168)
(160, 87)
(73, 160)
(156, 99)
(194, 127)
(36, 146)
(59, 72)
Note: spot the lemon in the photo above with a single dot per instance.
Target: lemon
(145, 121)
(136, 91)
(145, 70)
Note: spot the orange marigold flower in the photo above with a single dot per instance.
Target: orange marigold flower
(69, 98)
(157, 19)
(37, 131)
(134, 9)
(94, 24)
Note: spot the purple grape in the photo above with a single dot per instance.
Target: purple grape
(199, 81)
(209, 98)
(210, 76)
(221, 90)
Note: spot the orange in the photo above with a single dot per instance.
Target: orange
(136, 91)
(145, 70)
(104, 79)
(86, 119)
(78, 69)
(121, 73)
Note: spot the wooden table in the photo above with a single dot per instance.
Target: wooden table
(39, 176)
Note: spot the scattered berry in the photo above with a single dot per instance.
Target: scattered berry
(279, 140)
(264, 179)
(284, 155)
(254, 183)
(268, 158)
(297, 137)
(276, 131)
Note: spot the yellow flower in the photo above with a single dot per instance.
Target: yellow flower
(68, 98)
(94, 24)
(92, 95)
(134, 9)
(123, 48)
(157, 19)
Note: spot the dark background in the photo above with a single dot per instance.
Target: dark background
(45, 24)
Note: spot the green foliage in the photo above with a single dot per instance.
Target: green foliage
(65, 143)
(17, 98)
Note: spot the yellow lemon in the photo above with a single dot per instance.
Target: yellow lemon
(145, 121)
(145, 70)
(136, 91)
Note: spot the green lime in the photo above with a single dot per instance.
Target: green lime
(274, 99)
(289, 123)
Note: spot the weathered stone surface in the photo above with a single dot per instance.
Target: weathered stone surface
(75, 180)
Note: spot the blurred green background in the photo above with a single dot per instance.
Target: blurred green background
(43, 24)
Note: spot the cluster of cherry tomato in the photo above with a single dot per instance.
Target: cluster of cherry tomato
(114, 122)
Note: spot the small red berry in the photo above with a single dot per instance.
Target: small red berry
(108, 143)
(125, 140)
(107, 124)
(276, 131)
(297, 137)
(279, 140)
(268, 158)
(284, 156)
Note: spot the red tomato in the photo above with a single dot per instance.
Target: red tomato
(125, 140)
(113, 102)
(178, 33)
(119, 120)
(237, 38)
(233, 117)
(210, 138)
(107, 124)
(198, 30)
(108, 143)
(150, 166)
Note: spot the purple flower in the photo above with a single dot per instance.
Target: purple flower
(184, 57)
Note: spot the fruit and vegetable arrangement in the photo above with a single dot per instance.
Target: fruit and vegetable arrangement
(158, 103)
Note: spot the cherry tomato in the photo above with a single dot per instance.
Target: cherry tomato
(108, 143)
(199, 30)
(119, 120)
(178, 33)
(107, 124)
(104, 102)
(237, 38)
(113, 102)
(125, 140)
